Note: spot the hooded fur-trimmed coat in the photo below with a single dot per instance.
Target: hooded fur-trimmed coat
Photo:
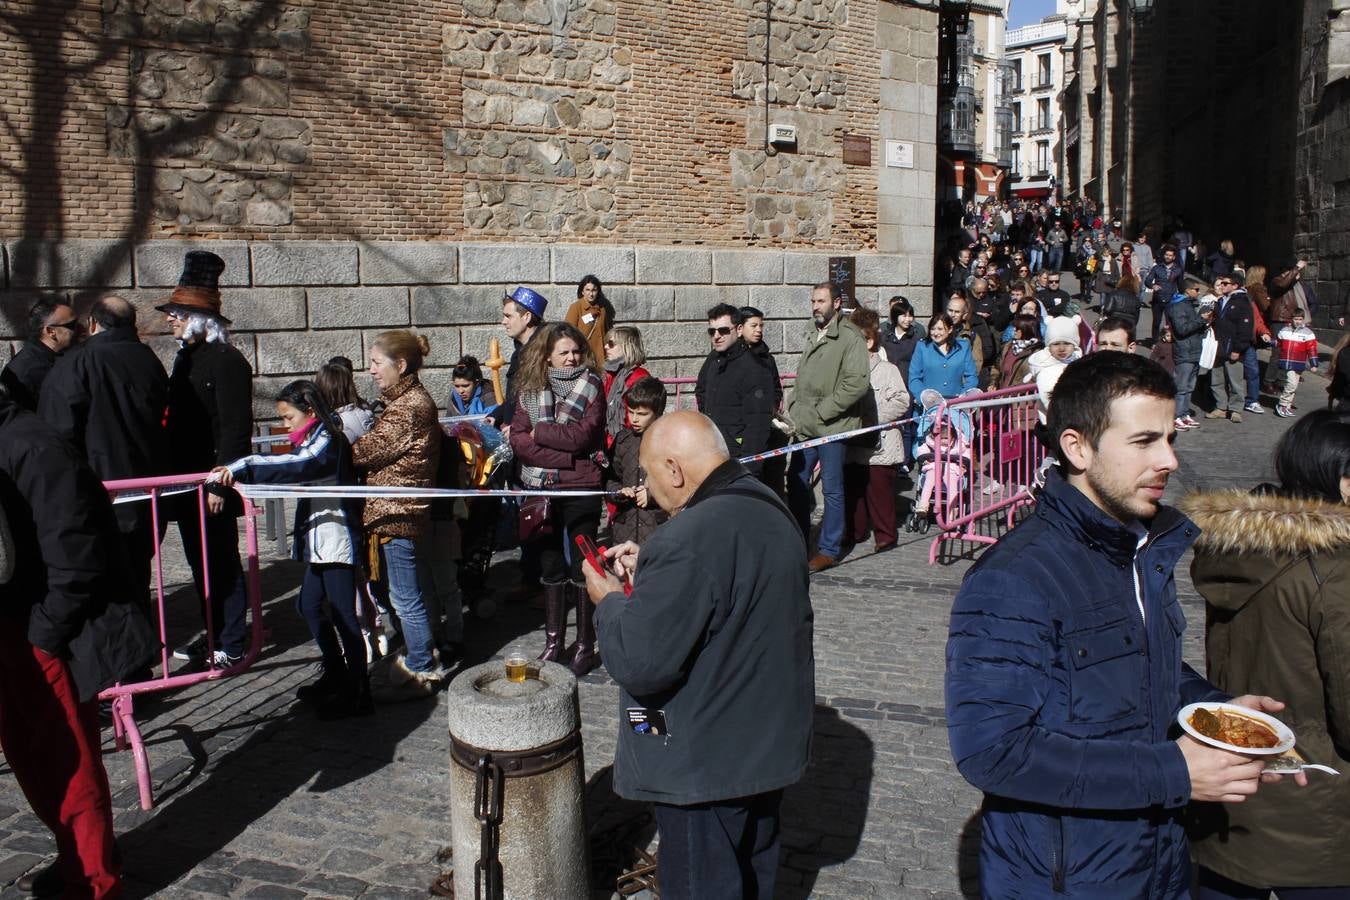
(1275, 575)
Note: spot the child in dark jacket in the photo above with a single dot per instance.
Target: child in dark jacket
(635, 515)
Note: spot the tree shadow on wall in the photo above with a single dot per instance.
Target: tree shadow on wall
(51, 37)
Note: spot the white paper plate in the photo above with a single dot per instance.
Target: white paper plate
(1281, 730)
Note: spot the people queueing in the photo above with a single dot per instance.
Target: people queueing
(635, 514)
(337, 384)
(735, 387)
(327, 538)
(469, 391)
(1064, 661)
(625, 365)
(870, 466)
(558, 437)
(53, 329)
(713, 656)
(107, 399)
(1273, 566)
(832, 379)
(210, 423)
(522, 315)
(71, 624)
(1188, 337)
(1234, 331)
(592, 314)
(402, 449)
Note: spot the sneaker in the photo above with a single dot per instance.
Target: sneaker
(1180, 425)
(222, 660)
(1190, 422)
(1255, 408)
(1216, 413)
(192, 650)
(1284, 412)
(1235, 418)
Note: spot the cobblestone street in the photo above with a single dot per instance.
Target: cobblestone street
(256, 798)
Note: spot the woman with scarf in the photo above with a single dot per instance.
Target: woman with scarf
(558, 436)
(327, 538)
(624, 359)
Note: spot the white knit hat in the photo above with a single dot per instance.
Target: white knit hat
(1062, 328)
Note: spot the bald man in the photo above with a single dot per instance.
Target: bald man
(712, 652)
(107, 399)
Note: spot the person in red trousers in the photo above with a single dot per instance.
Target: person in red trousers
(69, 626)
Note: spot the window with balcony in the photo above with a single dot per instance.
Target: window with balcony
(1015, 164)
(1017, 118)
(1015, 81)
(1043, 120)
(1043, 70)
(1043, 160)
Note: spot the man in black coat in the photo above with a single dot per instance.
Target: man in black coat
(1233, 328)
(1052, 297)
(210, 423)
(107, 399)
(735, 388)
(713, 657)
(52, 329)
(69, 627)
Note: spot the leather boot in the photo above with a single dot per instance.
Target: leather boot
(584, 658)
(555, 621)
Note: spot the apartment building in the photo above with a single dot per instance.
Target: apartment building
(1034, 61)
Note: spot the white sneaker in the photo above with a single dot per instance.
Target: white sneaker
(222, 660)
(1255, 408)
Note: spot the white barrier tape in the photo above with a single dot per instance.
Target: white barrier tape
(139, 495)
(820, 441)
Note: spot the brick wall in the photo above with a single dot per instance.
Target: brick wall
(369, 164)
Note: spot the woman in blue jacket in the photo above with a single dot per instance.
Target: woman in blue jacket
(327, 537)
(468, 396)
(943, 362)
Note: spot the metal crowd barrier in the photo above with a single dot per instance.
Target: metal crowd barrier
(156, 490)
(999, 465)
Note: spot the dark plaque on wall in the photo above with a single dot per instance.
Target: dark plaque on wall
(842, 270)
(857, 150)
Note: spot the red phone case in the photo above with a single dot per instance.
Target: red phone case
(593, 554)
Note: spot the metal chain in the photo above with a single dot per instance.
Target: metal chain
(489, 791)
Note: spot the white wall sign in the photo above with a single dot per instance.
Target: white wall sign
(900, 154)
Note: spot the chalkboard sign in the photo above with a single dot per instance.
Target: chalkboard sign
(842, 273)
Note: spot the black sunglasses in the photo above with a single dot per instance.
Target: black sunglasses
(721, 330)
(73, 324)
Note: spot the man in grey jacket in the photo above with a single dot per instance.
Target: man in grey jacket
(712, 652)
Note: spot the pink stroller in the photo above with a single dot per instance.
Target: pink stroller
(942, 451)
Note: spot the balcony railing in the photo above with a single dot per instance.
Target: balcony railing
(1041, 125)
(956, 121)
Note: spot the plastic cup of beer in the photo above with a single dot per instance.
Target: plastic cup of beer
(517, 668)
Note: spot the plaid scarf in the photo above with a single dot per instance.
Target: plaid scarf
(578, 387)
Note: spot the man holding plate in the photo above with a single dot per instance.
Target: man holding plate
(1064, 671)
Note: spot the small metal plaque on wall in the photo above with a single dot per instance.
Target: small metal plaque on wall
(857, 150)
(842, 271)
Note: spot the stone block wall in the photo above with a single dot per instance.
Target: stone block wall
(295, 304)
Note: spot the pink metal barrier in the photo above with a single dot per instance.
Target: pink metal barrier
(684, 399)
(157, 490)
(986, 457)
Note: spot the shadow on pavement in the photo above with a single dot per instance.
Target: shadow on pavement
(968, 858)
(824, 814)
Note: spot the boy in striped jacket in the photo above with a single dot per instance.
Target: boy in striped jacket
(1298, 351)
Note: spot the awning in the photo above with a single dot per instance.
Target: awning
(1032, 193)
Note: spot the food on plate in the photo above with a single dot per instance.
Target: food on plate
(1235, 729)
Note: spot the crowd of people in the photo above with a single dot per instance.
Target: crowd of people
(1058, 709)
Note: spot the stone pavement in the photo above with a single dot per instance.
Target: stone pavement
(258, 799)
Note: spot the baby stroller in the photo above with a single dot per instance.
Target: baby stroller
(942, 451)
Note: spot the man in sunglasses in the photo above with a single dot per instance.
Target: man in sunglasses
(52, 330)
(1052, 297)
(735, 388)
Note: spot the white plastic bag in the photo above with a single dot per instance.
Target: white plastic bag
(1209, 349)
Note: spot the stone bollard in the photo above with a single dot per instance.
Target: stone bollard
(516, 747)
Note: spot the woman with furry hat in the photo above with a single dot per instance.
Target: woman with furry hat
(1274, 569)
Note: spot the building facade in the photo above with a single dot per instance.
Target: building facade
(975, 116)
(364, 166)
(1034, 56)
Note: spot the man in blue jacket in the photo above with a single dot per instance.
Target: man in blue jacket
(1064, 671)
